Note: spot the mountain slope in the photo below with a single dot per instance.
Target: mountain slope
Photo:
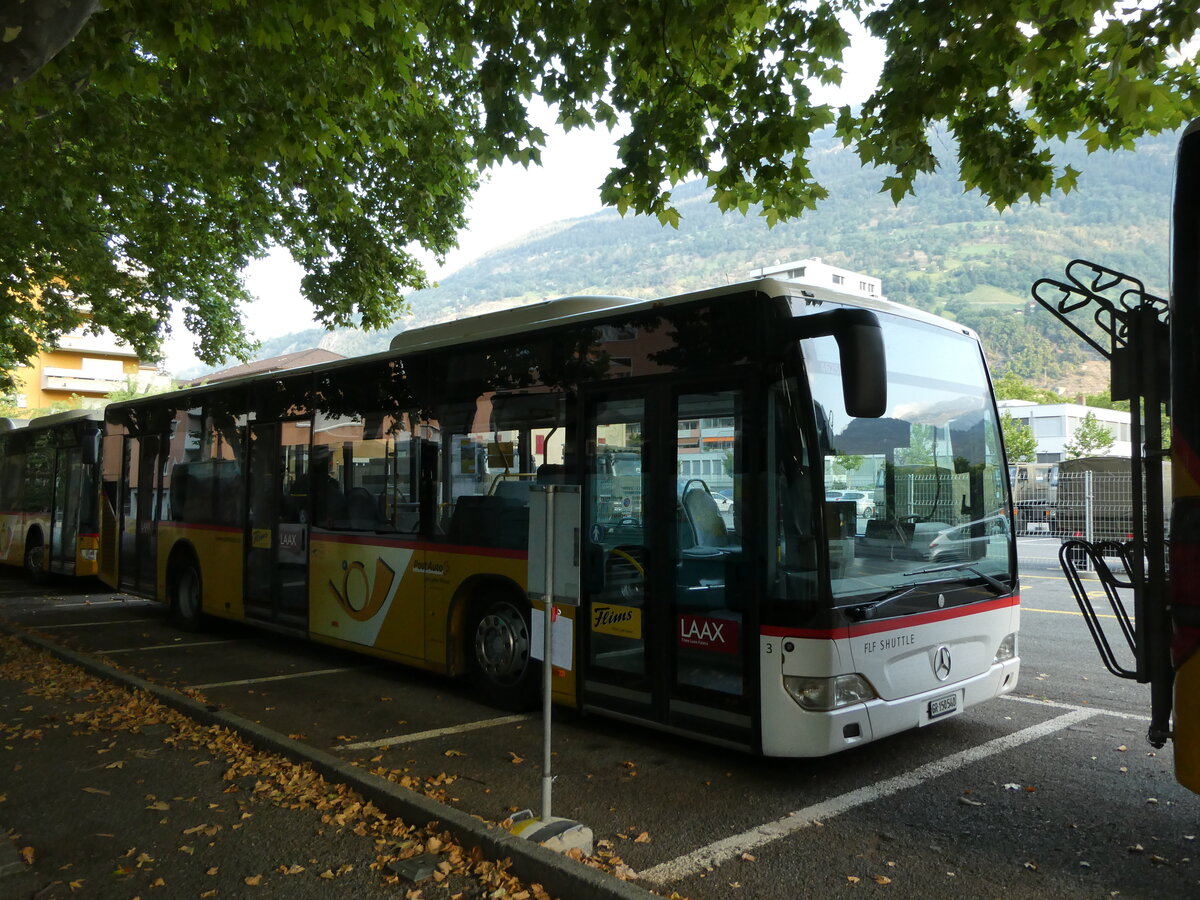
(943, 250)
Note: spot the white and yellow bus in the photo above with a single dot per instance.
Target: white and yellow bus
(382, 504)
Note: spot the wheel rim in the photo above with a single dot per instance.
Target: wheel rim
(502, 644)
(33, 558)
(189, 594)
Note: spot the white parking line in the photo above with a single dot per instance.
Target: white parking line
(434, 733)
(91, 624)
(1059, 704)
(732, 847)
(217, 684)
(99, 603)
(163, 647)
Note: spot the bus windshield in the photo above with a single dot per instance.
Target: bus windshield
(919, 494)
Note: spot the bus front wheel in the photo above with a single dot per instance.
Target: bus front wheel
(501, 655)
(187, 605)
(35, 556)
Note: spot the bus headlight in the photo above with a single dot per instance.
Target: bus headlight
(828, 693)
(1007, 649)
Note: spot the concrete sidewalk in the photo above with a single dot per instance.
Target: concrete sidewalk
(113, 787)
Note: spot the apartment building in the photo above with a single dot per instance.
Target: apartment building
(820, 274)
(85, 365)
(1054, 425)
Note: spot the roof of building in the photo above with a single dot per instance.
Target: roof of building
(295, 360)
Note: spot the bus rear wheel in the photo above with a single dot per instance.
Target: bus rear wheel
(501, 655)
(187, 598)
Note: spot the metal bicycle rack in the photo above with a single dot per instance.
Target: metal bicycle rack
(1137, 327)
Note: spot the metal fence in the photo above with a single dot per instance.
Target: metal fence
(1092, 506)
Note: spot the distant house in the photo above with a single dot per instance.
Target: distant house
(1055, 424)
(820, 274)
(272, 364)
(85, 365)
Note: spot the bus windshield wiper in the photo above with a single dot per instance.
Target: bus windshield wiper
(994, 583)
(862, 611)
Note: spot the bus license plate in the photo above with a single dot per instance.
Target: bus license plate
(943, 706)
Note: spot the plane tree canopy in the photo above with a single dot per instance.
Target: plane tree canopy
(168, 144)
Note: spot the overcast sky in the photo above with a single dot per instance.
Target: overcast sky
(511, 202)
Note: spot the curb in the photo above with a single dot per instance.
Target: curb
(10, 860)
(558, 875)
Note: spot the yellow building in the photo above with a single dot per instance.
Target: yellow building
(87, 365)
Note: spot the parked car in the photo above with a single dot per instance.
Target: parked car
(864, 502)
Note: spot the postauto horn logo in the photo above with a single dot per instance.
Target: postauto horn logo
(362, 597)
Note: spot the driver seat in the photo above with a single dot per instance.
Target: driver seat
(708, 528)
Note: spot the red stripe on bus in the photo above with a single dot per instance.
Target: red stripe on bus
(454, 549)
(913, 621)
(192, 526)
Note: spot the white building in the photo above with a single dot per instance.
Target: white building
(819, 274)
(1054, 425)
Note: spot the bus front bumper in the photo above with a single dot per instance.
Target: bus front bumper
(789, 730)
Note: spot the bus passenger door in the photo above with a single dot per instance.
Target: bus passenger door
(140, 488)
(277, 525)
(667, 622)
(622, 615)
(64, 516)
(711, 627)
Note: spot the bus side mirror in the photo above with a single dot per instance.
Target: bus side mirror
(860, 349)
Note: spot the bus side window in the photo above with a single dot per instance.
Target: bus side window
(361, 474)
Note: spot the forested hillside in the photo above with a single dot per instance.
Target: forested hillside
(942, 250)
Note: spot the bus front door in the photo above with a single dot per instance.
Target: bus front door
(664, 620)
(622, 608)
(276, 588)
(141, 475)
(64, 518)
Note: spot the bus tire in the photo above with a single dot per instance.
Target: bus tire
(35, 556)
(502, 663)
(187, 597)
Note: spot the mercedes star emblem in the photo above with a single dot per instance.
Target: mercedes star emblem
(941, 663)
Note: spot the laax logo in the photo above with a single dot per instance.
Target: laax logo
(359, 597)
(717, 635)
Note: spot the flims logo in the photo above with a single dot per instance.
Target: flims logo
(362, 597)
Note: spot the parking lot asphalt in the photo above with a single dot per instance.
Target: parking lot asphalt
(1049, 792)
(111, 786)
